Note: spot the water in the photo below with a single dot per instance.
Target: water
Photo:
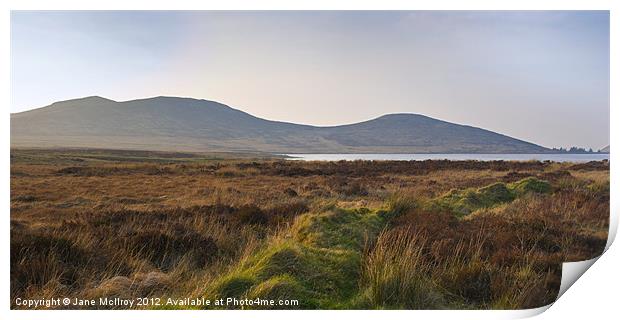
(564, 157)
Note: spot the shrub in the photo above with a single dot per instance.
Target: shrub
(165, 250)
(37, 259)
(250, 214)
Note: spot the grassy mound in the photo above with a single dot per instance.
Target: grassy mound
(530, 184)
(318, 263)
(337, 229)
(464, 202)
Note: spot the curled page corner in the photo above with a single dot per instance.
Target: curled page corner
(529, 313)
(613, 229)
(571, 271)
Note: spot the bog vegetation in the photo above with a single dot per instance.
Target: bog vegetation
(361, 234)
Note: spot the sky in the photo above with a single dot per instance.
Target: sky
(540, 76)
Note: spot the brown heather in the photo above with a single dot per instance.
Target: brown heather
(141, 224)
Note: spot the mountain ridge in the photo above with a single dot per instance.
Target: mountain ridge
(186, 124)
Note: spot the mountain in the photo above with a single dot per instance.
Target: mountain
(184, 124)
(605, 150)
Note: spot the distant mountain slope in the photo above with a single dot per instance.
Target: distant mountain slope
(605, 150)
(183, 124)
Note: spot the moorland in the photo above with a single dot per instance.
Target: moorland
(332, 235)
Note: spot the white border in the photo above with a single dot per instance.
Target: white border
(598, 291)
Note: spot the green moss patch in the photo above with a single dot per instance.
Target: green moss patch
(317, 264)
(464, 202)
(530, 184)
(337, 229)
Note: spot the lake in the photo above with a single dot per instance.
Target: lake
(564, 157)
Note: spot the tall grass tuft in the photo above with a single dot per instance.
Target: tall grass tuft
(396, 273)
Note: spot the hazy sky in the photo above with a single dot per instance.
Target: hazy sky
(537, 76)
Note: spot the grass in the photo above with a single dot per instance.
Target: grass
(464, 202)
(333, 235)
(316, 262)
(395, 275)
